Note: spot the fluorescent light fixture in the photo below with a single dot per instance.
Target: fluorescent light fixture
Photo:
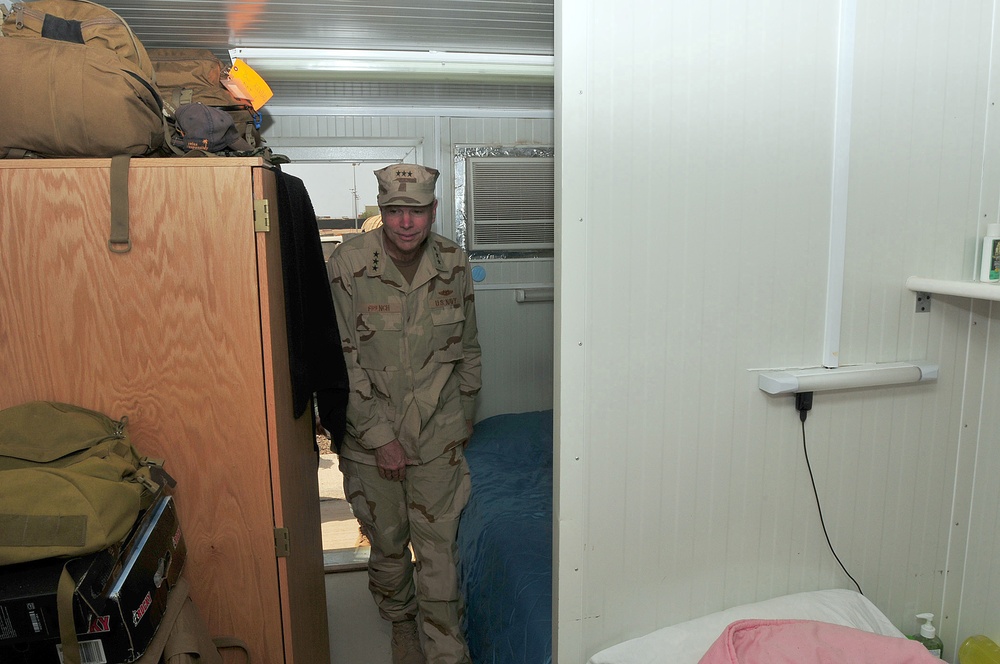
(318, 64)
(844, 378)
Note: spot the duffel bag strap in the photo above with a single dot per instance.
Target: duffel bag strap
(119, 241)
(222, 642)
(64, 609)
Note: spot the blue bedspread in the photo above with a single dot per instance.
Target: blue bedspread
(505, 540)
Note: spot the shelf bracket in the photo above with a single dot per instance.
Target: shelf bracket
(923, 302)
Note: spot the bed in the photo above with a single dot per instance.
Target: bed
(688, 642)
(505, 540)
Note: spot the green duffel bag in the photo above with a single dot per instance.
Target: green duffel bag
(71, 482)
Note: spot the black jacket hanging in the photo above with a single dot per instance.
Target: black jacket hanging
(315, 355)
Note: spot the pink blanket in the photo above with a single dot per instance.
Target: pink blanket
(810, 642)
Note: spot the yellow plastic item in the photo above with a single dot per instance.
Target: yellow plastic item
(979, 649)
(244, 83)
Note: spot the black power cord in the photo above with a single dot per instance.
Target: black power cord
(803, 404)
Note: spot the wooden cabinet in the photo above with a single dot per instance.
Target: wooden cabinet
(184, 335)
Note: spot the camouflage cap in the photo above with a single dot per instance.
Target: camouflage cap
(406, 184)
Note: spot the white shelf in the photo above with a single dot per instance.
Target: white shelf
(973, 289)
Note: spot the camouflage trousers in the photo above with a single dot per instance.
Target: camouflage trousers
(422, 511)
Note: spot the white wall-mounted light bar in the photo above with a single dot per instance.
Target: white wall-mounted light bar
(318, 64)
(793, 381)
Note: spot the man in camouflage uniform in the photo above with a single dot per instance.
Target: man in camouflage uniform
(407, 315)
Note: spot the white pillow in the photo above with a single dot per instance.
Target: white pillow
(686, 642)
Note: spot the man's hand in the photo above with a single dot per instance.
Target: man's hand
(391, 461)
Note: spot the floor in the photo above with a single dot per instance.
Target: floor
(343, 543)
(358, 635)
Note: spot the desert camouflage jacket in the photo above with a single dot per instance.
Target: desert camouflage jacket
(412, 350)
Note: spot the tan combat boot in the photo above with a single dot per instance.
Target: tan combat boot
(406, 643)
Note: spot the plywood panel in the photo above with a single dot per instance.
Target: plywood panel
(167, 335)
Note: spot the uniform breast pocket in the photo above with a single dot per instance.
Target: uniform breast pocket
(449, 323)
(380, 341)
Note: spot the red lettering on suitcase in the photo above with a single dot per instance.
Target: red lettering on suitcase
(99, 624)
(141, 611)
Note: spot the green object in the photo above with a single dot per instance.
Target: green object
(72, 482)
(928, 635)
(979, 649)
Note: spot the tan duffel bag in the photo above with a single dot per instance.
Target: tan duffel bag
(194, 75)
(70, 100)
(80, 21)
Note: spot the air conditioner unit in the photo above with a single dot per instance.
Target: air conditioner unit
(511, 203)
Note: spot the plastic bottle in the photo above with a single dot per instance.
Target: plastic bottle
(989, 263)
(979, 649)
(928, 635)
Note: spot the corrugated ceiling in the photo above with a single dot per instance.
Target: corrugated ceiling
(483, 26)
(479, 26)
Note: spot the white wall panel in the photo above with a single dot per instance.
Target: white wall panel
(726, 197)
(708, 127)
(516, 338)
(980, 606)
(506, 132)
(916, 190)
(281, 127)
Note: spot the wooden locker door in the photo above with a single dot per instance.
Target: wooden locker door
(295, 483)
(169, 335)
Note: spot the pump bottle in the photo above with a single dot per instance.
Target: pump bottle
(989, 262)
(928, 635)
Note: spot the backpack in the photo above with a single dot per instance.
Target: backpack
(66, 66)
(72, 482)
(79, 21)
(90, 86)
(192, 75)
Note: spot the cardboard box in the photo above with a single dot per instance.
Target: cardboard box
(120, 597)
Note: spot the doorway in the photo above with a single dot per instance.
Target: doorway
(343, 191)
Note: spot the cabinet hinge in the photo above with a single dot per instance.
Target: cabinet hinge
(261, 215)
(281, 543)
